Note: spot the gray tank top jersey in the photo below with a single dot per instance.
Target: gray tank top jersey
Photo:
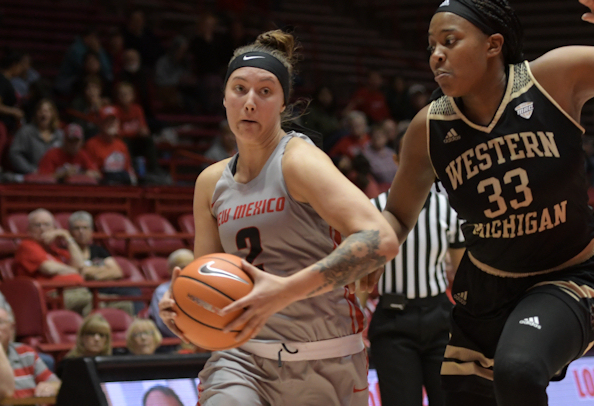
(261, 222)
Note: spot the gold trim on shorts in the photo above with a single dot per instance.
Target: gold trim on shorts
(586, 254)
(468, 362)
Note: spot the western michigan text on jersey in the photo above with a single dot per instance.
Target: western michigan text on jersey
(535, 145)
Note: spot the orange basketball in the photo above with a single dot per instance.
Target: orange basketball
(205, 286)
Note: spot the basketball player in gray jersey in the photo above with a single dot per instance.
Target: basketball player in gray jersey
(279, 204)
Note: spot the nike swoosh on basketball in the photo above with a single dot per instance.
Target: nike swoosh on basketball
(207, 269)
(247, 58)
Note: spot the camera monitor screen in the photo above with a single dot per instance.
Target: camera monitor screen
(157, 392)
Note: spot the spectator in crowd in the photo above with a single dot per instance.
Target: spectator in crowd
(391, 129)
(161, 396)
(99, 265)
(110, 153)
(398, 99)
(115, 50)
(85, 107)
(32, 141)
(23, 374)
(419, 97)
(93, 338)
(143, 337)
(323, 114)
(91, 69)
(73, 64)
(224, 145)
(380, 157)
(4, 303)
(176, 86)
(210, 57)
(179, 258)
(370, 99)
(38, 90)
(69, 159)
(130, 113)
(356, 140)
(47, 359)
(360, 174)
(52, 254)
(12, 66)
(139, 37)
(134, 73)
(134, 130)
(22, 82)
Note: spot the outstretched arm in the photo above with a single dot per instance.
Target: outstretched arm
(567, 73)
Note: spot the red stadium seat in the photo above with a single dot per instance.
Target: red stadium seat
(38, 178)
(143, 314)
(80, 179)
(6, 269)
(118, 320)
(186, 225)
(130, 271)
(62, 219)
(17, 222)
(63, 325)
(150, 223)
(155, 268)
(7, 245)
(27, 299)
(116, 223)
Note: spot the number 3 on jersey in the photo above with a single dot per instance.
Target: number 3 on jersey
(522, 188)
(251, 234)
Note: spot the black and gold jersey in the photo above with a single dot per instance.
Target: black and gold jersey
(519, 183)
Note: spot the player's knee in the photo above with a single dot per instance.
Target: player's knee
(517, 372)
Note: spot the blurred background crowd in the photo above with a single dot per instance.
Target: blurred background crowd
(105, 92)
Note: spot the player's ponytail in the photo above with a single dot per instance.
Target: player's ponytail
(280, 41)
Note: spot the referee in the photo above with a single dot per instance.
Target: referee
(409, 329)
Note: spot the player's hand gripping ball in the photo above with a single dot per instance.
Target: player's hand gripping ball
(203, 288)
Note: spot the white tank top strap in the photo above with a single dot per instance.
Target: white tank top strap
(306, 351)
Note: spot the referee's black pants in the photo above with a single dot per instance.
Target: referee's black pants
(407, 348)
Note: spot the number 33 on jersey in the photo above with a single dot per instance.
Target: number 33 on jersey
(498, 178)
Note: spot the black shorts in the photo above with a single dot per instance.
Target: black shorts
(483, 304)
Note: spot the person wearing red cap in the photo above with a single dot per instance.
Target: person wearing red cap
(69, 159)
(109, 152)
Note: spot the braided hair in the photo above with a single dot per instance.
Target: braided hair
(504, 20)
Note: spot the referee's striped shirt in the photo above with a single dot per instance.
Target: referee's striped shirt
(418, 271)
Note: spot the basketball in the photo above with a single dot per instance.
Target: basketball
(204, 287)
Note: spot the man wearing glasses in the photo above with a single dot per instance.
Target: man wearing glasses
(52, 254)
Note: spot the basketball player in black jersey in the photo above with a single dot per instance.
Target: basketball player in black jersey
(505, 142)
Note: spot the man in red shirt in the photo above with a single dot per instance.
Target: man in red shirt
(69, 159)
(356, 140)
(52, 254)
(22, 372)
(110, 153)
(133, 128)
(370, 99)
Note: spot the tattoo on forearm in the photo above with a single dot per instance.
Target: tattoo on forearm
(353, 259)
